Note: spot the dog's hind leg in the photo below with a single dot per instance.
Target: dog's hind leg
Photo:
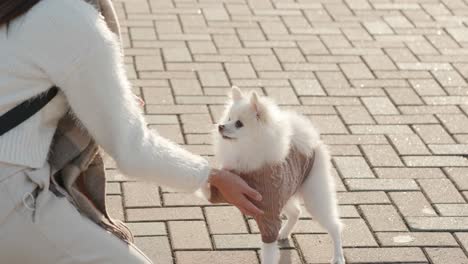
(292, 210)
(319, 196)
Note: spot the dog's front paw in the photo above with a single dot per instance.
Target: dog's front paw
(338, 260)
(284, 234)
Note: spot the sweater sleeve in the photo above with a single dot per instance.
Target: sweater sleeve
(97, 90)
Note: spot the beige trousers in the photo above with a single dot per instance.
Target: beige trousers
(38, 227)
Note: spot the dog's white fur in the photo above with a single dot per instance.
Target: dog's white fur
(266, 135)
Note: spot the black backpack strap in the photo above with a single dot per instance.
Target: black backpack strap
(25, 110)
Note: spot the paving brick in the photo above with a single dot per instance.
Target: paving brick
(381, 156)
(156, 248)
(458, 176)
(406, 119)
(381, 184)
(385, 255)
(148, 63)
(379, 62)
(307, 87)
(416, 239)
(329, 124)
(344, 150)
(141, 194)
(316, 249)
(368, 197)
(455, 123)
(353, 167)
(202, 47)
(441, 191)
(179, 54)
(427, 87)
(213, 79)
(163, 214)
(452, 149)
(379, 106)
(189, 235)
(303, 226)
(408, 144)
(113, 188)
(148, 229)
(446, 255)
(404, 96)
(216, 257)
(378, 27)
(240, 70)
(354, 139)
(356, 71)
(355, 115)
(383, 218)
(158, 96)
(282, 96)
(412, 204)
(247, 241)
(357, 234)
(289, 55)
(225, 220)
(435, 161)
(452, 209)
(186, 87)
(332, 79)
(265, 63)
(437, 223)
(410, 173)
(114, 206)
(463, 239)
(435, 134)
(182, 199)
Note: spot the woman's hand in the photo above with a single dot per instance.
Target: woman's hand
(234, 189)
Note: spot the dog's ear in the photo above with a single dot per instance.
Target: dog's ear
(236, 93)
(256, 104)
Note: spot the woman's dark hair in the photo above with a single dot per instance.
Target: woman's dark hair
(11, 9)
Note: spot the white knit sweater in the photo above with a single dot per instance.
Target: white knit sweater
(66, 43)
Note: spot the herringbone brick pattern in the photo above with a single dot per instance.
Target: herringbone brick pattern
(384, 80)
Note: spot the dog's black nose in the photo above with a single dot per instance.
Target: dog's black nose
(220, 128)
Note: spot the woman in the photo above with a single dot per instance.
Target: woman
(66, 43)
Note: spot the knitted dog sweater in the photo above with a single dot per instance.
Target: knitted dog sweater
(277, 183)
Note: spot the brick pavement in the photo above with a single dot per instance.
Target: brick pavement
(384, 80)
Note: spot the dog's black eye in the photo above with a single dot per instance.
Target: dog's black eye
(239, 124)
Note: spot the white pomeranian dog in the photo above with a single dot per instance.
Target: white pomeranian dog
(254, 132)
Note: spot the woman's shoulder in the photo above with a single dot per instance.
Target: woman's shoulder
(61, 18)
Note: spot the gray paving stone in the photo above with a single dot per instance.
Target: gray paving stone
(437, 223)
(440, 191)
(353, 167)
(141, 194)
(385, 255)
(416, 239)
(412, 204)
(446, 255)
(382, 156)
(156, 248)
(382, 185)
(383, 218)
(216, 257)
(189, 235)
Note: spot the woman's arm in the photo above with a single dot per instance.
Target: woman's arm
(77, 51)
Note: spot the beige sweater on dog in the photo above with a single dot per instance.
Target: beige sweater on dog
(277, 183)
